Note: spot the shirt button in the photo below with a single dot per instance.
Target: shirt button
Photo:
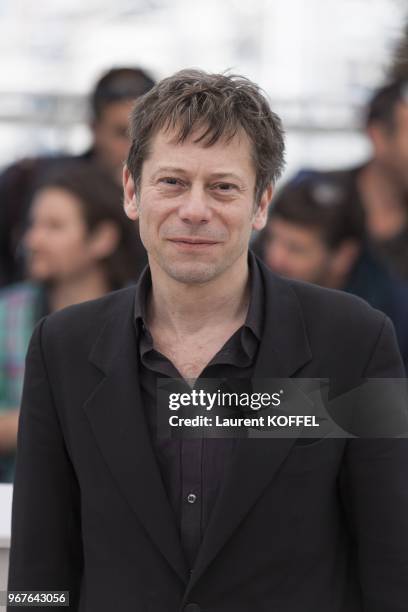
(191, 498)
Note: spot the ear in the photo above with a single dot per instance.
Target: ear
(379, 138)
(129, 195)
(104, 239)
(344, 258)
(261, 213)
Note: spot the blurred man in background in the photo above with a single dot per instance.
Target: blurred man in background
(379, 188)
(316, 234)
(312, 235)
(80, 246)
(110, 105)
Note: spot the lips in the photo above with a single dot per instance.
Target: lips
(193, 241)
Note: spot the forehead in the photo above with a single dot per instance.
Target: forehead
(296, 233)
(56, 202)
(117, 111)
(224, 156)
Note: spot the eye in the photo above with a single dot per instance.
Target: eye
(120, 131)
(225, 186)
(170, 180)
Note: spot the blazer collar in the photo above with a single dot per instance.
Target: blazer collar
(285, 346)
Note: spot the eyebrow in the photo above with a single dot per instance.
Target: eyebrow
(218, 175)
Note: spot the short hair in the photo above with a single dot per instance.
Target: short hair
(381, 107)
(320, 204)
(218, 105)
(100, 200)
(119, 84)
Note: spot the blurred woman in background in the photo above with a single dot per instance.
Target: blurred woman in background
(79, 246)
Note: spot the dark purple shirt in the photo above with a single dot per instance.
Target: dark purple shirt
(193, 469)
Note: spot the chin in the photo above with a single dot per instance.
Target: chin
(38, 274)
(192, 273)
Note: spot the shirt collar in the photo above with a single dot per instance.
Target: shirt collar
(143, 288)
(255, 315)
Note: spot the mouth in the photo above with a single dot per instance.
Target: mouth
(193, 242)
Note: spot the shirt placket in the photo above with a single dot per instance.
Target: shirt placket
(192, 496)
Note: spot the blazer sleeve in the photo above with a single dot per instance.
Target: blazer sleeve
(376, 496)
(46, 548)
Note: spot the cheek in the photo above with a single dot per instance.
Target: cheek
(298, 264)
(399, 151)
(317, 262)
(143, 233)
(148, 226)
(404, 154)
(153, 214)
(71, 244)
(236, 222)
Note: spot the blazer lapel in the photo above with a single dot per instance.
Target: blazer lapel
(116, 415)
(283, 350)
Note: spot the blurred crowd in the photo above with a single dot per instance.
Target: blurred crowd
(347, 229)
(64, 237)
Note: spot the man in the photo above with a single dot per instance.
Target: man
(315, 234)
(379, 187)
(312, 234)
(110, 104)
(126, 519)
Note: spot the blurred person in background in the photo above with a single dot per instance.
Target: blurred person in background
(79, 246)
(398, 68)
(316, 234)
(110, 105)
(379, 187)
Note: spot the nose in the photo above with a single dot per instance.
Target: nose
(32, 238)
(195, 208)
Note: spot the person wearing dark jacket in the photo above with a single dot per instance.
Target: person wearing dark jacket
(125, 518)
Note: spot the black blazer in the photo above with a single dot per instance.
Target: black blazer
(319, 527)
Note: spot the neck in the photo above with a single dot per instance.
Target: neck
(90, 285)
(184, 309)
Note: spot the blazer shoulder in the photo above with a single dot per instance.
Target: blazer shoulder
(320, 307)
(338, 321)
(334, 308)
(83, 321)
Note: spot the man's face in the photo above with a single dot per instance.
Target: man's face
(59, 247)
(111, 139)
(296, 252)
(196, 206)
